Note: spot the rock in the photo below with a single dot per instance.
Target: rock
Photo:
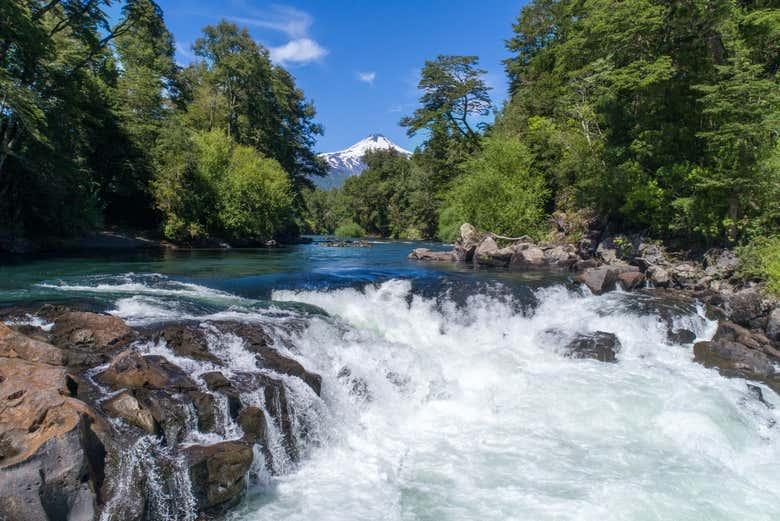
(357, 385)
(748, 308)
(527, 256)
(257, 341)
(467, 243)
(170, 410)
(205, 409)
(425, 254)
(631, 280)
(130, 370)
(607, 250)
(217, 474)
(685, 275)
(489, 254)
(599, 346)
(90, 330)
(52, 456)
(561, 257)
(682, 336)
(720, 264)
(736, 360)
(599, 280)
(649, 254)
(189, 341)
(16, 345)
(125, 406)
(215, 380)
(659, 277)
(252, 422)
(773, 324)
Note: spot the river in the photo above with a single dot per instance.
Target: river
(446, 394)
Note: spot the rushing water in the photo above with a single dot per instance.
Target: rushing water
(446, 395)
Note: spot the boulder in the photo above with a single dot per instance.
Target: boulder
(599, 280)
(257, 341)
(773, 324)
(598, 346)
(685, 275)
(658, 276)
(215, 380)
(425, 254)
(252, 421)
(631, 280)
(130, 370)
(528, 256)
(489, 254)
(217, 474)
(561, 257)
(52, 454)
(681, 336)
(467, 243)
(125, 406)
(89, 330)
(205, 410)
(720, 264)
(189, 341)
(748, 307)
(16, 345)
(649, 254)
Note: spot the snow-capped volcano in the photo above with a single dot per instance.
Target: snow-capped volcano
(349, 162)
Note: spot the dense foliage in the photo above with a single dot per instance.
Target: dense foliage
(654, 116)
(99, 126)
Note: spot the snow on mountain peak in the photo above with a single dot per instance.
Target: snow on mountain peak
(348, 162)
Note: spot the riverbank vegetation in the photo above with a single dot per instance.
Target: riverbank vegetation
(654, 116)
(99, 126)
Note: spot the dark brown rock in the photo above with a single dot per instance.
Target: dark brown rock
(599, 346)
(124, 405)
(215, 380)
(130, 370)
(631, 280)
(90, 330)
(189, 341)
(252, 421)
(599, 280)
(217, 474)
(205, 409)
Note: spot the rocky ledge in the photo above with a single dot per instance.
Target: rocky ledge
(92, 428)
(746, 342)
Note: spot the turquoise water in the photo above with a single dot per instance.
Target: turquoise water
(470, 409)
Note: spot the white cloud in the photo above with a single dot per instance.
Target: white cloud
(288, 20)
(302, 50)
(367, 77)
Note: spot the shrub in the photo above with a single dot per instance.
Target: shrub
(349, 229)
(500, 191)
(760, 260)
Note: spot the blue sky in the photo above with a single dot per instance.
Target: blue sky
(359, 61)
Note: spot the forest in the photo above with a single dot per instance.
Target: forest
(649, 116)
(100, 127)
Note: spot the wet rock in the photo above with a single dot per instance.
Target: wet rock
(425, 254)
(16, 345)
(205, 410)
(736, 360)
(81, 329)
(130, 370)
(631, 280)
(215, 380)
(748, 307)
(170, 411)
(52, 455)
(773, 324)
(217, 474)
(659, 276)
(682, 336)
(252, 422)
(257, 341)
(467, 243)
(358, 386)
(600, 346)
(756, 392)
(489, 254)
(189, 341)
(125, 406)
(599, 280)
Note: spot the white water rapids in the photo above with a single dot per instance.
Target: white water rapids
(471, 412)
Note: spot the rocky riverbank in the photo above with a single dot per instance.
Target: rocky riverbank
(746, 342)
(95, 424)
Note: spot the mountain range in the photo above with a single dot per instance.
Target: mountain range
(349, 162)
